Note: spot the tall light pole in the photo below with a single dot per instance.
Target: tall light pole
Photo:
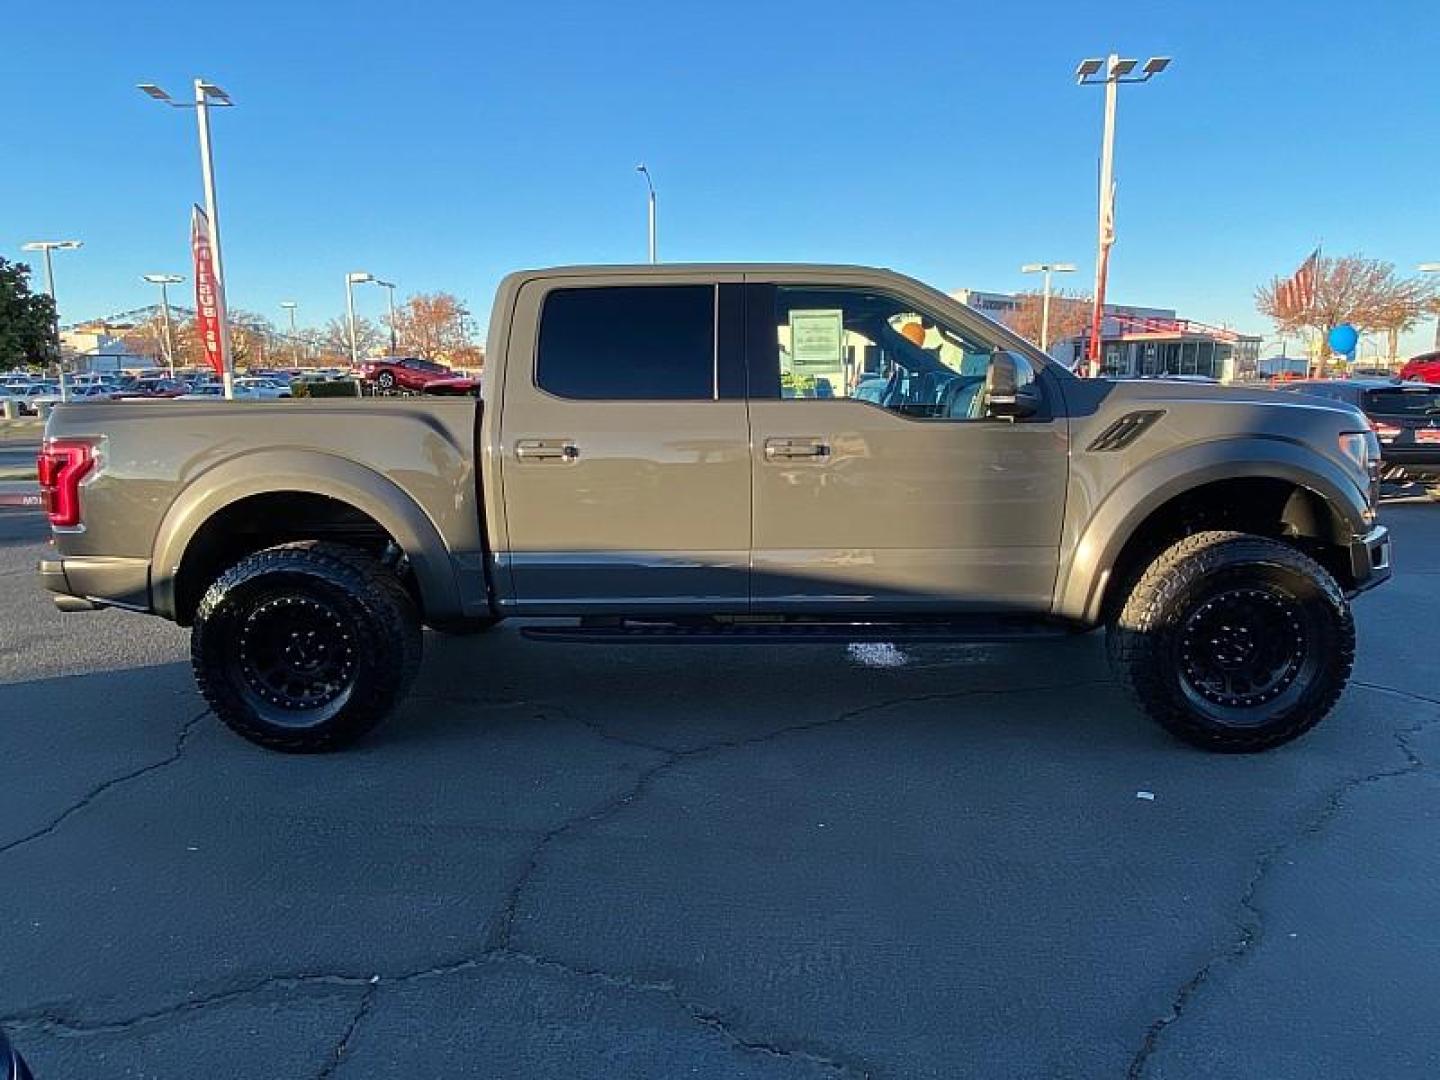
(1433, 268)
(1115, 71)
(47, 246)
(290, 305)
(207, 94)
(1047, 269)
(390, 285)
(165, 281)
(649, 184)
(355, 277)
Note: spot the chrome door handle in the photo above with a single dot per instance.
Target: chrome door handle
(793, 447)
(546, 450)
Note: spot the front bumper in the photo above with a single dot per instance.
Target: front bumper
(84, 583)
(1370, 559)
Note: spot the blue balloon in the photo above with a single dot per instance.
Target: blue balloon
(1343, 338)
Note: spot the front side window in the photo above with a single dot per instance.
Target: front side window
(872, 347)
(635, 343)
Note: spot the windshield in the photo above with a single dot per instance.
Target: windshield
(1404, 401)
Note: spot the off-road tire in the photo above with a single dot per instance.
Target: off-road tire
(360, 627)
(1184, 603)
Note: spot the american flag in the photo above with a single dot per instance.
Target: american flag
(1297, 293)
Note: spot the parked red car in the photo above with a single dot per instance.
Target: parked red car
(1422, 368)
(413, 374)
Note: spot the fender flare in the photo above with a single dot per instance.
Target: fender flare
(1083, 579)
(271, 472)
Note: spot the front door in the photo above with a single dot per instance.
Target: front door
(881, 483)
(625, 447)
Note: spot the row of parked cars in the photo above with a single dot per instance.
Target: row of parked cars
(386, 375)
(32, 391)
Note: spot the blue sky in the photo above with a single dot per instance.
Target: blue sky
(442, 144)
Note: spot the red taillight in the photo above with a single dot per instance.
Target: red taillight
(62, 464)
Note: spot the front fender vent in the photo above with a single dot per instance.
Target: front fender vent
(1126, 430)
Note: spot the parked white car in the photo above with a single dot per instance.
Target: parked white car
(249, 388)
(29, 396)
(257, 386)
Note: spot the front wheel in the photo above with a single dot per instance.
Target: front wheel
(1233, 642)
(386, 381)
(305, 647)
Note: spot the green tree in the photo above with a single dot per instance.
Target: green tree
(27, 319)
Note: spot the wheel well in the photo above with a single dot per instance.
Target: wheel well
(280, 517)
(1265, 506)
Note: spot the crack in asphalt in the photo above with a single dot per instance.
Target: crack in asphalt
(362, 1009)
(1248, 918)
(370, 985)
(497, 947)
(94, 793)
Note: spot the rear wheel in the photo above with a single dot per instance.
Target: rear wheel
(305, 647)
(1234, 642)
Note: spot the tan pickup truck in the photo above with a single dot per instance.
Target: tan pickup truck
(733, 453)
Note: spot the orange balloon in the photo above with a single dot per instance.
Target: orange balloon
(915, 332)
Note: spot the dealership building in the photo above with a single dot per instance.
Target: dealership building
(1137, 341)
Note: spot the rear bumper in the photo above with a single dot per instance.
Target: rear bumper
(1370, 559)
(84, 583)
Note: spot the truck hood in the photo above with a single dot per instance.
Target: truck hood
(1154, 392)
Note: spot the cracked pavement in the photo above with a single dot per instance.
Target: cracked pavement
(661, 861)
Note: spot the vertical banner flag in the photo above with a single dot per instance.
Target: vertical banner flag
(209, 301)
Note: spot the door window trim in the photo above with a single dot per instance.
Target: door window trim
(760, 336)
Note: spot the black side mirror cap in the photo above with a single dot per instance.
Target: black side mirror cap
(1004, 397)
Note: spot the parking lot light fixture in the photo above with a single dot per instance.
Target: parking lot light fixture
(290, 306)
(1110, 73)
(165, 281)
(649, 184)
(208, 96)
(1047, 269)
(355, 277)
(47, 246)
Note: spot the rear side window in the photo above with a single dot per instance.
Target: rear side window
(630, 343)
(1416, 402)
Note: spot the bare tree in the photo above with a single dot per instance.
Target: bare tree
(1367, 293)
(436, 326)
(1069, 315)
(333, 344)
(252, 338)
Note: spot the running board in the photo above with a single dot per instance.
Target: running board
(979, 631)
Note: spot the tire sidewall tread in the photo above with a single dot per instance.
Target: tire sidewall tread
(1139, 641)
(386, 621)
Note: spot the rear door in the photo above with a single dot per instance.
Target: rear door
(625, 446)
(881, 482)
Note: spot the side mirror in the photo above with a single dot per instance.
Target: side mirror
(1004, 396)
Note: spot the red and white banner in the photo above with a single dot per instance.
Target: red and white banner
(209, 293)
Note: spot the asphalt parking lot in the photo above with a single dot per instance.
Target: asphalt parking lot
(659, 862)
